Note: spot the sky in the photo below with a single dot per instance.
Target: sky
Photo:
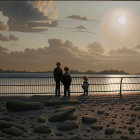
(95, 35)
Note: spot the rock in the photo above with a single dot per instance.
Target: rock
(20, 126)
(124, 127)
(41, 119)
(122, 108)
(62, 114)
(96, 127)
(119, 132)
(133, 115)
(6, 118)
(68, 126)
(44, 129)
(137, 109)
(124, 137)
(59, 134)
(100, 112)
(131, 128)
(132, 120)
(88, 119)
(14, 131)
(72, 117)
(53, 102)
(72, 108)
(109, 131)
(131, 132)
(17, 105)
(106, 114)
(5, 124)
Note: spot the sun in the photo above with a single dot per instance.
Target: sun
(122, 20)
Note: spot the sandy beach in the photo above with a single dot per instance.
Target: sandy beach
(75, 117)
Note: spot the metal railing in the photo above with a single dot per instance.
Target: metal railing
(35, 85)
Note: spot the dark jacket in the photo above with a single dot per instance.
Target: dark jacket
(66, 79)
(85, 85)
(57, 74)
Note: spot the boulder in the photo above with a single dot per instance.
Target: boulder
(17, 105)
(88, 119)
(68, 126)
(5, 124)
(41, 119)
(72, 108)
(6, 118)
(14, 131)
(137, 109)
(44, 129)
(96, 127)
(109, 131)
(72, 117)
(62, 114)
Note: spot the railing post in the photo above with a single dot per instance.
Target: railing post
(121, 87)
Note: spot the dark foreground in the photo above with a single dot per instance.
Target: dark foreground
(77, 117)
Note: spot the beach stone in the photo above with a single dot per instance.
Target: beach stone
(68, 126)
(88, 119)
(59, 134)
(14, 131)
(131, 128)
(133, 115)
(43, 128)
(72, 117)
(137, 109)
(119, 132)
(100, 112)
(132, 120)
(124, 137)
(96, 127)
(5, 124)
(41, 119)
(109, 131)
(18, 105)
(66, 108)
(53, 102)
(62, 114)
(6, 118)
(131, 132)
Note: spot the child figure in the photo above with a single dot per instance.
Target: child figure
(85, 84)
(66, 80)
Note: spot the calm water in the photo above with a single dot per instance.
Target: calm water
(42, 83)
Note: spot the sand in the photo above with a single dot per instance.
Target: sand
(115, 118)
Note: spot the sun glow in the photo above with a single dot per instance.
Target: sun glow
(122, 20)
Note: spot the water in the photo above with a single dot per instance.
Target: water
(43, 83)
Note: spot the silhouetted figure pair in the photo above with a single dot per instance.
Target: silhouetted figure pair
(64, 78)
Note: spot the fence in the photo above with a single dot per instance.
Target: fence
(34, 85)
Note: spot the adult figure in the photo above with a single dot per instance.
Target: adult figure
(57, 76)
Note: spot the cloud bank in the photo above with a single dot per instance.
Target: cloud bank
(43, 59)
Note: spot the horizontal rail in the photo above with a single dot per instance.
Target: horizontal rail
(28, 84)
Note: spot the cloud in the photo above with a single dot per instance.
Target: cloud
(21, 13)
(11, 37)
(81, 18)
(95, 48)
(3, 27)
(43, 59)
(80, 27)
(137, 47)
(123, 51)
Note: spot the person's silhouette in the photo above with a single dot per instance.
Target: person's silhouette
(57, 76)
(66, 80)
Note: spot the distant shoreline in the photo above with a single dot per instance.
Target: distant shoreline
(116, 72)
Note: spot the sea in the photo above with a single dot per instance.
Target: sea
(43, 83)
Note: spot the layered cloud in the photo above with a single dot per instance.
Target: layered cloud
(80, 18)
(21, 15)
(43, 59)
(11, 37)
